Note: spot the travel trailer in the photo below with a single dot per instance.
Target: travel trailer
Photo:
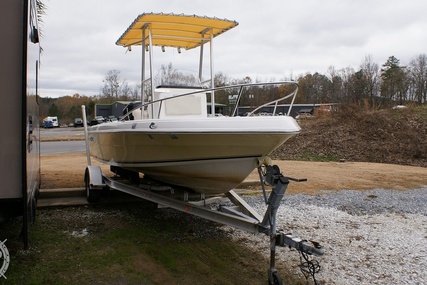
(19, 146)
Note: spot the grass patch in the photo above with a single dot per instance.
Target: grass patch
(125, 244)
(312, 156)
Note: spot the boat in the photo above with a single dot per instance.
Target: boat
(189, 147)
(175, 134)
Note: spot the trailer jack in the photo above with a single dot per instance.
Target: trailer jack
(270, 175)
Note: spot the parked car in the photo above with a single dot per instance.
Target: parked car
(48, 124)
(78, 122)
(112, 119)
(98, 120)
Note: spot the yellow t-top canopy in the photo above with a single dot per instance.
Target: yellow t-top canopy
(171, 30)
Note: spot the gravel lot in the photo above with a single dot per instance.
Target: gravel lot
(369, 237)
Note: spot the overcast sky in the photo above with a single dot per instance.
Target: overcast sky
(274, 39)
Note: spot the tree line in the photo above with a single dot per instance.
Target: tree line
(369, 86)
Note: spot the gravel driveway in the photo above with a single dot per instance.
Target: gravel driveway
(369, 237)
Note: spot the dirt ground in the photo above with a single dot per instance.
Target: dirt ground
(380, 136)
(67, 171)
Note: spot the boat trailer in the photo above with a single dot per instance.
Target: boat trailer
(241, 215)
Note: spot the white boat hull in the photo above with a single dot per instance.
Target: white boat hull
(210, 156)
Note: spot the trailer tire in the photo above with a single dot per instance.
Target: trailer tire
(92, 195)
(275, 279)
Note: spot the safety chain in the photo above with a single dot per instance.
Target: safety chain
(309, 267)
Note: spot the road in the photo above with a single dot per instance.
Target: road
(60, 132)
(61, 147)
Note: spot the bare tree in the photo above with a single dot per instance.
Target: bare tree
(313, 88)
(168, 75)
(125, 90)
(348, 86)
(135, 92)
(111, 84)
(418, 74)
(335, 88)
(370, 75)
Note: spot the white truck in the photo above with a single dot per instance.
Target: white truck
(50, 122)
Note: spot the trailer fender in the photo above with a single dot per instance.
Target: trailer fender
(94, 183)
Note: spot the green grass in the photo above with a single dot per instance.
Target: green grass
(311, 156)
(129, 245)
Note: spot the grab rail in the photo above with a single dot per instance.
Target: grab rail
(241, 88)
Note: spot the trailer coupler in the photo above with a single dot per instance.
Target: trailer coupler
(309, 247)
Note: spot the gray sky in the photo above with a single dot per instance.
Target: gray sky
(274, 39)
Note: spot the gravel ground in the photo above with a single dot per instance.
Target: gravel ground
(369, 237)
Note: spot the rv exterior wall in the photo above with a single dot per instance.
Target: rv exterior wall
(20, 132)
(11, 50)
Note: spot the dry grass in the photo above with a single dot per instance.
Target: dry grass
(383, 136)
(350, 175)
(67, 171)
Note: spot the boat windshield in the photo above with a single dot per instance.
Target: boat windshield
(177, 78)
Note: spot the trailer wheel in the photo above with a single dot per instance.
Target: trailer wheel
(92, 195)
(275, 279)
